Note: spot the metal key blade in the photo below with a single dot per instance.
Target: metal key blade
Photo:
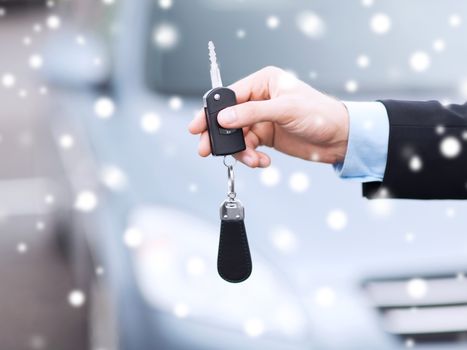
(216, 80)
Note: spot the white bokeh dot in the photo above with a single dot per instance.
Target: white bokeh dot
(417, 288)
(53, 22)
(419, 61)
(367, 3)
(35, 61)
(195, 266)
(181, 310)
(272, 22)
(66, 141)
(363, 61)
(165, 4)
(175, 103)
(450, 147)
(351, 86)
(325, 297)
(440, 129)
(284, 240)
(454, 20)
(439, 45)
(76, 298)
(380, 23)
(113, 177)
(311, 24)
(8, 80)
(150, 122)
(86, 201)
(415, 163)
(22, 248)
(299, 182)
(165, 36)
(241, 33)
(270, 176)
(336, 219)
(104, 107)
(133, 237)
(253, 327)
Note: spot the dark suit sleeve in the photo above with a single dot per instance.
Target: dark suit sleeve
(422, 130)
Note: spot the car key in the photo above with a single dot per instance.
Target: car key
(223, 141)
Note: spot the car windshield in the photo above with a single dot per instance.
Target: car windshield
(359, 43)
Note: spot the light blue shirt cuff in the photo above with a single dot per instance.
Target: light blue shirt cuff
(367, 148)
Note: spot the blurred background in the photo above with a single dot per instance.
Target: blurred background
(109, 219)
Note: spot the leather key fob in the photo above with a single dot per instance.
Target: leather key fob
(234, 259)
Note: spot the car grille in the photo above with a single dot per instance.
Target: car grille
(422, 310)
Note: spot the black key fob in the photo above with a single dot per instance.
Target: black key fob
(223, 141)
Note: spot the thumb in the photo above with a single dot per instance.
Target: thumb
(252, 112)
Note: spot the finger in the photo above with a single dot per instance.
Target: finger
(248, 157)
(198, 124)
(256, 85)
(252, 112)
(204, 147)
(264, 159)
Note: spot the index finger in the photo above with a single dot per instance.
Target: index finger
(198, 124)
(256, 86)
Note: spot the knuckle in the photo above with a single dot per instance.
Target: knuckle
(272, 70)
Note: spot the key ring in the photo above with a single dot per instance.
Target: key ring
(229, 164)
(231, 183)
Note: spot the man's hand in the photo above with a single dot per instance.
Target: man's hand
(277, 110)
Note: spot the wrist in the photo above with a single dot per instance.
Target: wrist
(342, 131)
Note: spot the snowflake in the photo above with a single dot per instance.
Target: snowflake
(415, 163)
(104, 107)
(108, 2)
(100, 270)
(419, 61)
(150, 122)
(53, 22)
(80, 40)
(195, 266)
(165, 4)
(165, 36)
(450, 147)
(311, 24)
(241, 33)
(284, 240)
(363, 61)
(273, 22)
(299, 182)
(113, 177)
(40, 225)
(27, 41)
(409, 343)
(270, 176)
(417, 288)
(367, 3)
(380, 23)
(181, 310)
(2, 11)
(253, 327)
(455, 20)
(439, 45)
(193, 188)
(133, 237)
(8, 80)
(325, 297)
(175, 103)
(409, 237)
(86, 201)
(66, 141)
(22, 248)
(49, 199)
(440, 129)
(351, 86)
(35, 61)
(336, 219)
(76, 298)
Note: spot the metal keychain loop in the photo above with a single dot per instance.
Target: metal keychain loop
(231, 182)
(229, 164)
